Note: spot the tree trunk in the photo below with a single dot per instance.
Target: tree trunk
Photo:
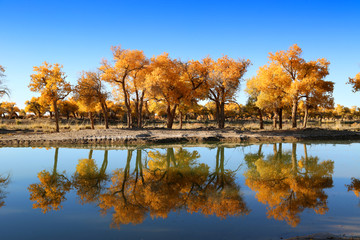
(217, 112)
(181, 120)
(104, 109)
(306, 115)
(170, 116)
(280, 117)
(56, 115)
(91, 116)
(261, 119)
(221, 122)
(127, 105)
(293, 113)
(275, 119)
(140, 111)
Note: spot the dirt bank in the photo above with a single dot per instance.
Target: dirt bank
(155, 136)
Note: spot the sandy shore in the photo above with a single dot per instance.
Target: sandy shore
(161, 136)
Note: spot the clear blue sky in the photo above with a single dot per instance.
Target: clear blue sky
(78, 34)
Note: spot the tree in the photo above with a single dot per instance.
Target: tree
(90, 91)
(355, 82)
(67, 107)
(3, 89)
(269, 87)
(121, 75)
(35, 106)
(49, 80)
(223, 82)
(300, 73)
(166, 85)
(10, 109)
(315, 90)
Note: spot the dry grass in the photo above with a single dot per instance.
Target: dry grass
(48, 125)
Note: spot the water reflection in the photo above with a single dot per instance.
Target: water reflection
(172, 181)
(89, 180)
(157, 182)
(50, 192)
(4, 181)
(287, 185)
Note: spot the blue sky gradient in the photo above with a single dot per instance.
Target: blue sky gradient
(78, 34)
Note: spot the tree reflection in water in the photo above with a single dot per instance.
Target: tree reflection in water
(288, 185)
(4, 181)
(354, 186)
(164, 182)
(171, 182)
(89, 180)
(50, 192)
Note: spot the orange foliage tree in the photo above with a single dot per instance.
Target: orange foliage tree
(35, 106)
(302, 75)
(49, 80)
(126, 68)
(10, 109)
(269, 88)
(223, 82)
(90, 92)
(166, 85)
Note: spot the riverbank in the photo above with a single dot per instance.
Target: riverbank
(161, 136)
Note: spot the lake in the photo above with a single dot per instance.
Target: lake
(264, 191)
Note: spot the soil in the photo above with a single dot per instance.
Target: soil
(117, 137)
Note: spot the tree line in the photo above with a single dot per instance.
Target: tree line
(165, 87)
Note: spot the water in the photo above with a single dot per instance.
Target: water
(268, 191)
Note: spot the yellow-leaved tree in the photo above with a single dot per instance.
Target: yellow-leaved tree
(269, 88)
(35, 106)
(49, 81)
(223, 82)
(166, 85)
(124, 71)
(90, 92)
(10, 109)
(301, 74)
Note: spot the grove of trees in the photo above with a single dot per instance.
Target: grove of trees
(162, 88)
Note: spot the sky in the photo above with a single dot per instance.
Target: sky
(78, 34)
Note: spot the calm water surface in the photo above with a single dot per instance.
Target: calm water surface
(268, 191)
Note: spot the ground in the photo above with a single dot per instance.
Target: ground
(160, 136)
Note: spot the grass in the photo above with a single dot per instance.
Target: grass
(48, 125)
